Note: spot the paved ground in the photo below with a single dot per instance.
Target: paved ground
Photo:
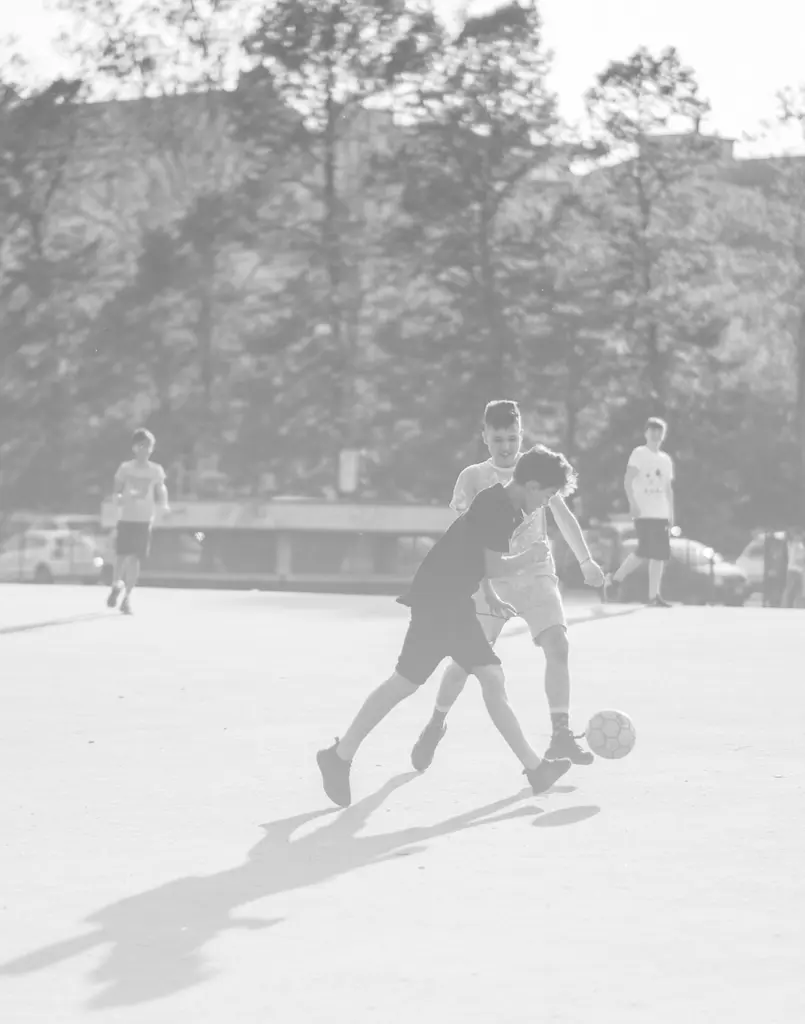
(168, 856)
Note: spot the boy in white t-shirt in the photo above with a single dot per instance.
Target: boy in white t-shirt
(532, 594)
(139, 490)
(649, 485)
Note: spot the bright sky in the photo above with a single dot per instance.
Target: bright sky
(743, 53)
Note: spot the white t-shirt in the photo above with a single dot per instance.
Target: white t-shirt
(138, 484)
(650, 488)
(474, 479)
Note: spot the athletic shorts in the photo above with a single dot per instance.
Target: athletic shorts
(444, 632)
(653, 539)
(537, 600)
(133, 539)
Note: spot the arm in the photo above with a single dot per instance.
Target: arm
(570, 529)
(497, 564)
(573, 534)
(464, 492)
(119, 486)
(161, 492)
(669, 491)
(632, 473)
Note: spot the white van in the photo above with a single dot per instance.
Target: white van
(48, 556)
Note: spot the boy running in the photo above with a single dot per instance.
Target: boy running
(444, 623)
(533, 593)
(139, 484)
(649, 486)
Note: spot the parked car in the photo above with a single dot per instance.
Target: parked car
(695, 574)
(752, 560)
(47, 556)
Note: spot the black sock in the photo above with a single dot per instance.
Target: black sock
(560, 719)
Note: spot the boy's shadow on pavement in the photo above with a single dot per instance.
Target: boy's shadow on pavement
(157, 937)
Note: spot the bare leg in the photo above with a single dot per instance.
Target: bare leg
(375, 708)
(655, 570)
(450, 689)
(557, 673)
(455, 677)
(493, 685)
(131, 573)
(627, 567)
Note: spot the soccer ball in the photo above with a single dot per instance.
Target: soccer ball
(610, 734)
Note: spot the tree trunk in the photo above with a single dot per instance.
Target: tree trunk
(205, 334)
(800, 410)
(341, 381)
(575, 370)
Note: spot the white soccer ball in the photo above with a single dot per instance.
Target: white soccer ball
(610, 734)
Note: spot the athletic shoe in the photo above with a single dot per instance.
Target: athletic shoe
(425, 746)
(659, 602)
(335, 775)
(546, 774)
(126, 607)
(114, 594)
(563, 744)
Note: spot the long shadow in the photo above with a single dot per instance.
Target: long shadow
(156, 938)
(67, 621)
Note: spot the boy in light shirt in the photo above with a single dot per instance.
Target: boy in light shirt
(532, 594)
(649, 486)
(139, 490)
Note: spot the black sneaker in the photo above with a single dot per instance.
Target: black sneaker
(659, 602)
(563, 744)
(126, 607)
(335, 775)
(114, 594)
(425, 747)
(546, 773)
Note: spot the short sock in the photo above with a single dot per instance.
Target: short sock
(560, 720)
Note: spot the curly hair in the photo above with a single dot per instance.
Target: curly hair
(547, 468)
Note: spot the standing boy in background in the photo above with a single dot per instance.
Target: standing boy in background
(139, 490)
(649, 486)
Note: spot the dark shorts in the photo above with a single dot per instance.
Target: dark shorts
(133, 539)
(653, 539)
(438, 633)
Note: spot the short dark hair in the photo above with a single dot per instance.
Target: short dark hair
(549, 469)
(142, 435)
(655, 421)
(500, 413)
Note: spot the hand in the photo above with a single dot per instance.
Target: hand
(593, 574)
(634, 511)
(538, 552)
(500, 608)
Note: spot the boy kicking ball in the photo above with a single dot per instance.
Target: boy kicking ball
(533, 592)
(444, 623)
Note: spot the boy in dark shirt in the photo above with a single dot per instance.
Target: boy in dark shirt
(444, 623)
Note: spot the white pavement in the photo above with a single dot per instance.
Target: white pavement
(169, 858)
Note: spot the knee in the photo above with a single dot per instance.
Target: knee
(493, 682)
(400, 686)
(555, 644)
(454, 674)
